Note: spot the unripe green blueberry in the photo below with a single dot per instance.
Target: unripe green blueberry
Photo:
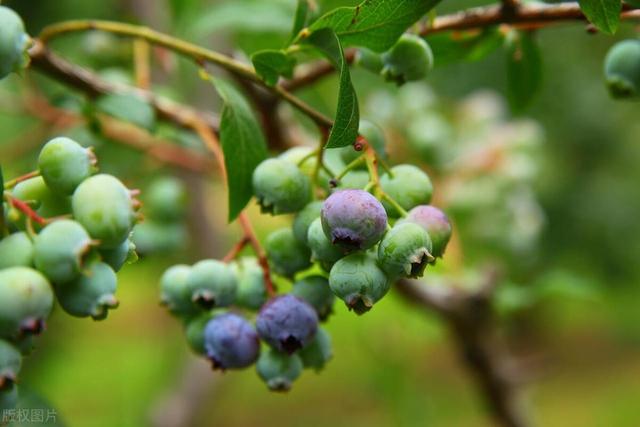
(194, 332)
(212, 283)
(64, 164)
(175, 293)
(302, 158)
(359, 281)
(409, 186)
(280, 187)
(353, 219)
(316, 355)
(278, 370)
(286, 254)
(118, 257)
(409, 59)
(251, 292)
(40, 197)
(322, 250)
(13, 42)
(436, 223)
(26, 300)
(103, 205)
(91, 294)
(303, 220)
(374, 137)
(8, 399)
(622, 69)
(10, 364)
(153, 237)
(355, 179)
(316, 291)
(60, 250)
(166, 199)
(405, 250)
(369, 60)
(16, 249)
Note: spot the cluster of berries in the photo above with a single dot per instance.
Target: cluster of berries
(64, 235)
(352, 242)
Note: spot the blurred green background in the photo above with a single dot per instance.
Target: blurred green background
(570, 300)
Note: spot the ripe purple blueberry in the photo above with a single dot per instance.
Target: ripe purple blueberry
(287, 323)
(231, 342)
(353, 219)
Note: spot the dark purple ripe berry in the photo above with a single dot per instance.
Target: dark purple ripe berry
(287, 323)
(353, 219)
(436, 223)
(231, 342)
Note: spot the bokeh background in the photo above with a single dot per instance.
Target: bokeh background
(552, 196)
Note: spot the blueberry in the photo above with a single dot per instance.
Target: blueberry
(278, 370)
(251, 292)
(322, 250)
(16, 249)
(14, 42)
(91, 294)
(212, 283)
(10, 364)
(316, 291)
(60, 250)
(316, 355)
(8, 399)
(280, 187)
(374, 137)
(296, 155)
(231, 342)
(166, 199)
(353, 219)
(118, 257)
(409, 59)
(286, 254)
(409, 186)
(194, 331)
(287, 323)
(26, 299)
(359, 281)
(369, 60)
(64, 164)
(103, 205)
(175, 293)
(436, 223)
(46, 203)
(304, 218)
(622, 69)
(405, 250)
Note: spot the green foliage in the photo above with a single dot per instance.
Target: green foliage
(450, 48)
(129, 108)
(604, 14)
(271, 64)
(524, 69)
(243, 145)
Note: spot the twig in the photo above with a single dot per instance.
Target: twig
(26, 209)
(236, 249)
(468, 315)
(12, 183)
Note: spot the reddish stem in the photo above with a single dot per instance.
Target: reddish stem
(24, 208)
(237, 248)
(250, 234)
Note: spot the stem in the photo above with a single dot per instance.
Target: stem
(25, 209)
(141, 60)
(10, 184)
(354, 164)
(236, 249)
(199, 54)
(245, 223)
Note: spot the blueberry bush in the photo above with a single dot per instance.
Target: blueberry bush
(356, 218)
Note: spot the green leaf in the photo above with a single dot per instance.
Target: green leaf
(243, 145)
(449, 48)
(374, 24)
(524, 70)
(271, 64)
(604, 14)
(129, 108)
(300, 19)
(345, 126)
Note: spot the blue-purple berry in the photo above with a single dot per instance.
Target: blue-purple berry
(231, 342)
(287, 323)
(353, 219)
(316, 291)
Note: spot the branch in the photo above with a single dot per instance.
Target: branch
(526, 14)
(468, 315)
